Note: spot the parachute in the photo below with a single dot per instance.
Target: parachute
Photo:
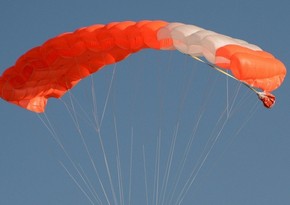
(51, 69)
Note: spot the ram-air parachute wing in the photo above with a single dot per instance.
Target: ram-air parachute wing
(53, 68)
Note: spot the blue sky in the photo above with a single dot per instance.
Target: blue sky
(249, 163)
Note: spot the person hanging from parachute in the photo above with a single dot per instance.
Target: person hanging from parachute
(51, 69)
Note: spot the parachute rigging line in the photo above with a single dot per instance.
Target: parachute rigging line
(267, 99)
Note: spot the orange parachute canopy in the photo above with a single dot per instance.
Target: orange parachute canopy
(53, 68)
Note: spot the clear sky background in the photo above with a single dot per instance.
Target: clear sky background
(249, 164)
